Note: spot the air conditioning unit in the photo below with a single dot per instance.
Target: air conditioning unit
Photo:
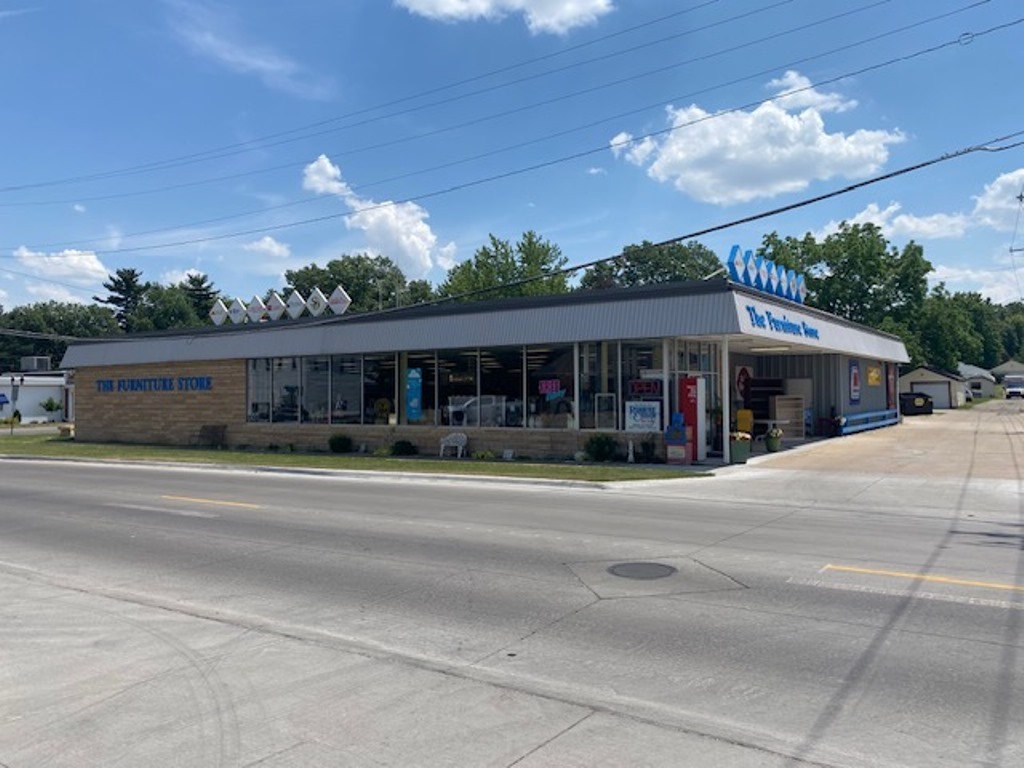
(41, 363)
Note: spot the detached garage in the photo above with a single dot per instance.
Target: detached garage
(946, 389)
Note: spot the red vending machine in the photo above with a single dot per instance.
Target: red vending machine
(693, 404)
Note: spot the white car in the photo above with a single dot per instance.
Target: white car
(1013, 386)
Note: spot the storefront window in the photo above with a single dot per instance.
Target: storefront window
(346, 389)
(599, 385)
(379, 382)
(456, 388)
(316, 392)
(285, 403)
(419, 388)
(501, 387)
(258, 389)
(550, 387)
(642, 371)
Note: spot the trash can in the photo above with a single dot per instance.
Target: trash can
(915, 403)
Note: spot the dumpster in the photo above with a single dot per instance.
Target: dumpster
(915, 403)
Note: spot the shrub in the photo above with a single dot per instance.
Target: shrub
(484, 455)
(381, 451)
(649, 452)
(601, 448)
(403, 448)
(339, 443)
(16, 416)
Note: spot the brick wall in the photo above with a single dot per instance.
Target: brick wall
(159, 404)
(145, 404)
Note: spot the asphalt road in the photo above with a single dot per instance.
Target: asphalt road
(854, 603)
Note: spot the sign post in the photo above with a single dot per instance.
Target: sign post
(14, 401)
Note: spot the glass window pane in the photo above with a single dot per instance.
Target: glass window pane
(456, 386)
(642, 366)
(419, 375)
(379, 389)
(346, 389)
(501, 387)
(316, 395)
(550, 387)
(258, 389)
(286, 389)
(599, 385)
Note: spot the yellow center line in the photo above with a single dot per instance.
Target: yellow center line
(921, 577)
(213, 501)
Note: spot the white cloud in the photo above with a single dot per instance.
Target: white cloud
(998, 206)
(78, 267)
(596, 171)
(553, 16)
(794, 91)
(895, 224)
(175, 276)
(324, 177)
(736, 157)
(397, 230)
(51, 292)
(208, 34)
(999, 285)
(270, 247)
(78, 208)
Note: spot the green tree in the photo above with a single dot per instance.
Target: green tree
(165, 308)
(802, 256)
(201, 293)
(945, 331)
(498, 267)
(648, 263)
(43, 330)
(127, 295)
(418, 291)
(372, 282)
(855, 273)
(988, 324)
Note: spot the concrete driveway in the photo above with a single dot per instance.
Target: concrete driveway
(986, 441)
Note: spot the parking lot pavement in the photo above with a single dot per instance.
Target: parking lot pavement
(986, 441)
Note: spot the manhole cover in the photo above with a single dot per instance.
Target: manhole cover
(641, 570)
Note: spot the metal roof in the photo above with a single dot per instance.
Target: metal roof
(686, 309)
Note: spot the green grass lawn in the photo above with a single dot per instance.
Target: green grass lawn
(43, 443)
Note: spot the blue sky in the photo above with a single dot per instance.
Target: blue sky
(243, 139)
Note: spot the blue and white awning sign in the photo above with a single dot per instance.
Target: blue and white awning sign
(765, 275)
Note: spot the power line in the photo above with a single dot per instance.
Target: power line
(537, 166)
(998, 144)
(527, 107)
(988, 146)
(262, 142)
(1013, 241)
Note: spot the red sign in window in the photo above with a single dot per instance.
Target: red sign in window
(645, 388)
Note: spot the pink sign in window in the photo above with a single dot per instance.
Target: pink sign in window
(549, 386)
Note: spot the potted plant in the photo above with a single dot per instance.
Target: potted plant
(773, 439)
(739, 447)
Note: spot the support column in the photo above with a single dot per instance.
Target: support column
(725, 381)
(666, 378)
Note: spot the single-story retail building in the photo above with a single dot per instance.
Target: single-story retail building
(537, 376)
(946, 389)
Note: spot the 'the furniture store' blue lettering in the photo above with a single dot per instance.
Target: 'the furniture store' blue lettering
(157, 384)
(780, 324)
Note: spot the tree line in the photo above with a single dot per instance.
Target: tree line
(854, 273)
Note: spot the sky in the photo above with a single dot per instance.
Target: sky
(240, 140)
